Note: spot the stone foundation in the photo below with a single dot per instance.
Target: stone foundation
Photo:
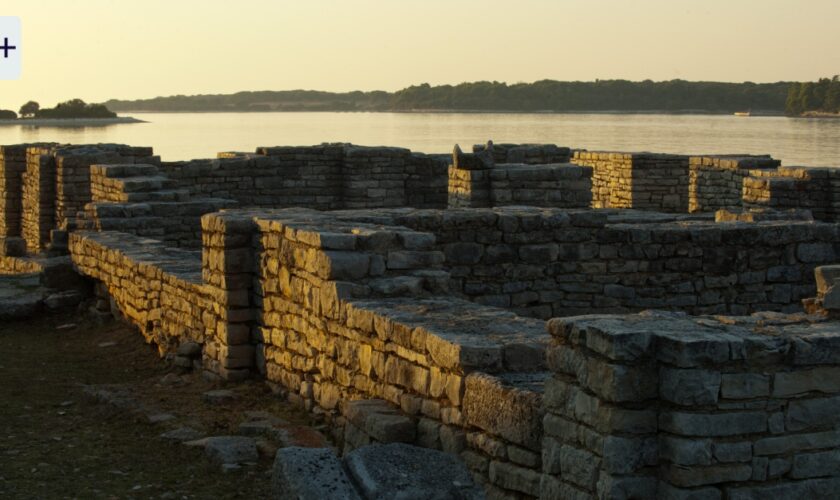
(644, 181)
(528, 154)
(553, 262)
(476, 180)
(325, 177)
(717, 182)
(807, 188)
(337, 309)
(12, 167)
(427, 325)
(666, 406)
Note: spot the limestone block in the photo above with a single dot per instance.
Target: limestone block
(689, 387)
(512, 477)
(688, 476)
(796, 442)
(744, 385)
(721, 424)
(822, 379)
(380, 420)
(310, 474)
(11, 246)
(622, 455)
(512, 413)
(685, 451)
(409, 472)
(812, 413)
(733, 452)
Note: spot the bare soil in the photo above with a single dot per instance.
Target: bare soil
(57, 443)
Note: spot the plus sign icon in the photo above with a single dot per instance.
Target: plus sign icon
(9, 48)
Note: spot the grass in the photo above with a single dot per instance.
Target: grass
(55, 443)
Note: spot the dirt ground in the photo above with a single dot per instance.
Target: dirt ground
(57, 443)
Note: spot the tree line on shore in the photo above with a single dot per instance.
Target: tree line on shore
(792, 98)
(74, 108)
(545, 95)
(822, 96)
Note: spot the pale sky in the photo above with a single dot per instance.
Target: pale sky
(99, 49)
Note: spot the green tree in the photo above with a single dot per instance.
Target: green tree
(822, 95)
(29, 109)
(76, 108)
(7, 114)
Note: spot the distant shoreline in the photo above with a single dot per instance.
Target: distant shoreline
(819, 114)
(470, 111)
(70, 122)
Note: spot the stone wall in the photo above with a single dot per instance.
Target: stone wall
(324, 177)
(334, 314)
(156, 288)
(551, 262)
(38, 198)
(166, 201)
(17, 265)
(393, 177)
(348, 313)
(426, 185)
(643, 181)
(279, 176)
(176, 224)
(136, 199)
(808, 188)
(12, 166)
(228, 268)
(73, 182)
(362, 315)
(716, 182)
(55, 186)
(469, 179)
(665, 406)
(475, 180)
(678, 183)
(529, 154)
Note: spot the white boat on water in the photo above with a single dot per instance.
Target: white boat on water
(743, 113)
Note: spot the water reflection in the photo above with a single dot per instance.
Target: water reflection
(202, 135)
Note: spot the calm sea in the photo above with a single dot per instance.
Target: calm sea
(797, 141)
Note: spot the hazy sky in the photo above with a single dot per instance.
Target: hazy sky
(98, 49)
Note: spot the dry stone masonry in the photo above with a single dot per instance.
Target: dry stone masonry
(643, 181)
(627, 325)
(717, 182)
(327, 177)
(12, 167)
(661, 405)
(529, 154)
(807, 188)
(477, 180)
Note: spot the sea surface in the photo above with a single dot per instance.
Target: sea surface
(181, 136)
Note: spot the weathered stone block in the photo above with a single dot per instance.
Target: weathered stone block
(688, 476)
(744, 385)
(310, 474)
(713, 425)
(733, 452)
(822, 379)
(685, 451)
(689, 387)
(812, 413)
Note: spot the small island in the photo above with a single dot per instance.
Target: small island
(72, 113)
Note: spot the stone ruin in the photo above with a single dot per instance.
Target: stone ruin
(568, 323)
